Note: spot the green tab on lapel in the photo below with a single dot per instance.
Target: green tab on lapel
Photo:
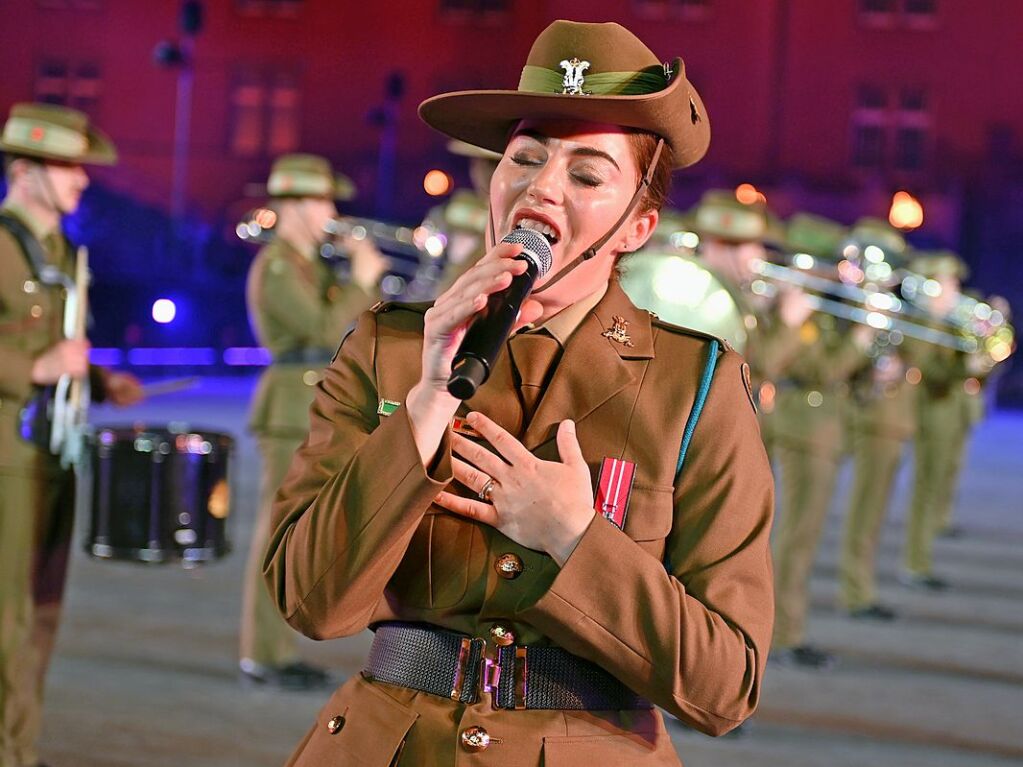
(387, 407)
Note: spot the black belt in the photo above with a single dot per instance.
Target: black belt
(456, 666)
(309, 356)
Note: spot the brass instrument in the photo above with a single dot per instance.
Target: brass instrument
(681, 290)
(974, 326)
(414, 252)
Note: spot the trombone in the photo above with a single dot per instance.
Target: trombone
(416, 249)
(973, 326)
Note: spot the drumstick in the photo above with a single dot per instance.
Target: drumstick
(169, 386)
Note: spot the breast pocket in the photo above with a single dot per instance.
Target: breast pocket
(650, 516)
(435, 571)
(359, 726)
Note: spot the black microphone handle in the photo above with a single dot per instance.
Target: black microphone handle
(485, 338)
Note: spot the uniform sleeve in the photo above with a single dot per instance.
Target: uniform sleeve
(287, 300)
(350, 502)
(690, 634)
(827, 364)
(15, 364)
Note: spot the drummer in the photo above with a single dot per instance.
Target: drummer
(298, 311)
(532, 605)
(45, 148)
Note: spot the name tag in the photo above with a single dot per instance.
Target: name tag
(614, 486)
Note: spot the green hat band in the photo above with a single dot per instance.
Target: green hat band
(35, 135)
(543, 80)
(298, 184)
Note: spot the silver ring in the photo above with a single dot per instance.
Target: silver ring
(486, 490)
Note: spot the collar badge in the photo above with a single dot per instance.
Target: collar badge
(619, 331)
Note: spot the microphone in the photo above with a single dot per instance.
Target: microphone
(486, 335)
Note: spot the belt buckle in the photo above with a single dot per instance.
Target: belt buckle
(490, 678)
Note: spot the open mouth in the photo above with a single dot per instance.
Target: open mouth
(538, 224)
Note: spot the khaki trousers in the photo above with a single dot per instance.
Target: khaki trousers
(265, 637)
(876, 460)
(807, 484)
(938, 460)
(36, 519)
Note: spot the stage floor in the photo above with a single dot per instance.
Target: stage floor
(145, 668)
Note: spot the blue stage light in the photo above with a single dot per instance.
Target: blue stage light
(164, 310)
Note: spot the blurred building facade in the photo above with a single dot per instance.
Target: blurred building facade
(829, 107)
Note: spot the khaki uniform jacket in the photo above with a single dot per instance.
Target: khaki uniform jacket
(294, 304)
(813, 388)
(31, 321)
(679, 606)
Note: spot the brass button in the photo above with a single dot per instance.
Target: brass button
(335, 724)
(502, 635)
(475, 739)
(36, 311)
(815, 399)
(509, 566)
(30, 286)
(311, 377)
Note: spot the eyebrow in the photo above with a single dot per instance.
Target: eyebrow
(584, 151)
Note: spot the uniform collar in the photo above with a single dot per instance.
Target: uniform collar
(563, 324)
(34, 226)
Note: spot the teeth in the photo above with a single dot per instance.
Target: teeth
(538, 226)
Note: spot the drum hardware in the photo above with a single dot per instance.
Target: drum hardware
(156, 494)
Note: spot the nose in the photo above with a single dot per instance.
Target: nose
(83, 177)
(545, 186)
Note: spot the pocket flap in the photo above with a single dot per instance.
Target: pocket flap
(359, 725)
(651, 511)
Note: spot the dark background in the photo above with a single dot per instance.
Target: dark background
(826, 107)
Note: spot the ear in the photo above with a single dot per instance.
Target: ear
(639, 229)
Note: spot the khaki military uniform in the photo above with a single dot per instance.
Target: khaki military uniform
(463, 219)
(36, 496)
(678, 606)
(881, 422)
(812, 395)
(946, 411)
(299, 314)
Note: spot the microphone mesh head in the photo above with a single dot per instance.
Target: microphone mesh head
(534, 247)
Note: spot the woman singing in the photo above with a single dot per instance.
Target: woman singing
(584, 539)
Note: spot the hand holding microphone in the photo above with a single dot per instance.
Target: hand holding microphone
(485, 291)
(487, 334)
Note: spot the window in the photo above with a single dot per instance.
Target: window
(266, 117)
(474, 10)
(278, 8)
(891, 130)
(73, 84)
(888, 14)
(686, 10)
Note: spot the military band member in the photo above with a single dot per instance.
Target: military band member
(45, 148)
(521, 617)
(298, 311)
(809, 441)
(463, 219)
(881, 423)
(946, 411)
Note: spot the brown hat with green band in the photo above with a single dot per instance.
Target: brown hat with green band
(720, 215)
(53, 132)
(598, 73)
(304, 175)
(814, 235)
(939, 263)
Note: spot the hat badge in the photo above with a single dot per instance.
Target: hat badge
(37, 134)
(572, 82)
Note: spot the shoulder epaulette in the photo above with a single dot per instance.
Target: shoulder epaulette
(684, 331)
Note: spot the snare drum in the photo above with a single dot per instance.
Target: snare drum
(157, 494)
